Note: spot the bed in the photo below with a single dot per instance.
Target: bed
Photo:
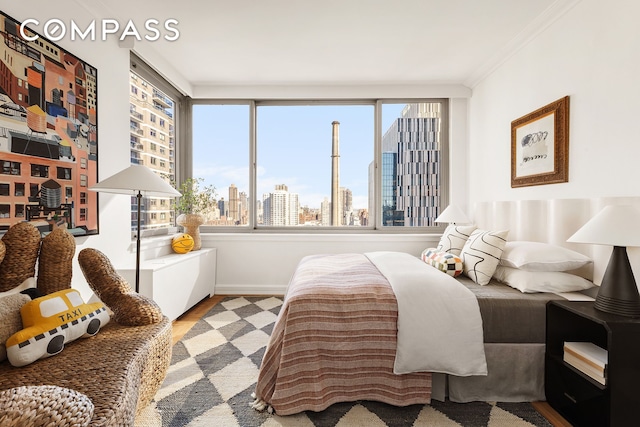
(339, 333)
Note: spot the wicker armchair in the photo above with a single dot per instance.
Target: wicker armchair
(107, 378)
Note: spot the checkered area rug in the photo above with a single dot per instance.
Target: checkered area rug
(214, 369)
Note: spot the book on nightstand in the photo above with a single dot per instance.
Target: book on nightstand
(587, 358)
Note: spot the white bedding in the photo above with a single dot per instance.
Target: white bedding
(439, 323)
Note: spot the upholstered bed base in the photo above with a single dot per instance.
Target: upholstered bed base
(516, 374)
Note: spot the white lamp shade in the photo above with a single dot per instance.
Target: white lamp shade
(615, 225)
(453, 214)
(136, 178)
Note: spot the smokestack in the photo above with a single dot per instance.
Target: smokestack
(335, 173)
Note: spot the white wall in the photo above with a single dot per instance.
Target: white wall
(592, 54)
(112, 63)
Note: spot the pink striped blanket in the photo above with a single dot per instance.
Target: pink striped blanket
(335, 340)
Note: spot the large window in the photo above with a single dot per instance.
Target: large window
(154, 104)
(313, 163)
(221, 159)
(412, 163)
(323, 165)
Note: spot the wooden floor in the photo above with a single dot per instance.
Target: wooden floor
(182, 325)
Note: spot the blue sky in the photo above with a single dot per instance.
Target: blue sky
(294, 148)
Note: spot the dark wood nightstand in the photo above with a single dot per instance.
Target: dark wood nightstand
(574, 395)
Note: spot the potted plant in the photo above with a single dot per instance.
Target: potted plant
(192, 206)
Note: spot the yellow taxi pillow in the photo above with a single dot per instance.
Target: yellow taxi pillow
(50, 322)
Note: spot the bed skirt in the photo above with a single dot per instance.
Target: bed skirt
(516, 374)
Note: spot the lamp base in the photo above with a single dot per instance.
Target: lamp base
(618, 292)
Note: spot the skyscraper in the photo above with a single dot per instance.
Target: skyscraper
(346, 206)
(234, 213)
(414, 139)
(243, 207)
(325, 212)
(223, 206)
(280, 208)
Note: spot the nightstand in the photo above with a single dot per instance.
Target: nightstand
(574, 395)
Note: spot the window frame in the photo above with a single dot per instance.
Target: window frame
(375, 218)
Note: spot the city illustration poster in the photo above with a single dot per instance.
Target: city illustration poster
(48, 134)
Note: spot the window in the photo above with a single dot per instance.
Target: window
(64, 173)
(10, 168)
(40, 171)
(83, 180)
(5, 211)
(4, 189)
(83, 198)
(83, 214)
(221, 159)
(163, 109)
(412, 161)
(19, 211)
(318, 156)
(68, 192)
(19, 189)
(319, 164)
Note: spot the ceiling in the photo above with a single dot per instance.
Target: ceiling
(275, 42)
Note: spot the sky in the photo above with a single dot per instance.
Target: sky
(293, 148)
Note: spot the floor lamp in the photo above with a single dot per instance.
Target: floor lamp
(139, 181)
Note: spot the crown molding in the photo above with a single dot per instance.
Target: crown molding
(530, 32)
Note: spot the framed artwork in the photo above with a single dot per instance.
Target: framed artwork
(540, 146)
(48, 134)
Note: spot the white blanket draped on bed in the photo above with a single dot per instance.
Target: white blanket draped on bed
(439, 323)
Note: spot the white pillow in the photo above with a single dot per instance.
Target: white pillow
(536, 256)
(481, 254)
(454, 238)
(541, 281)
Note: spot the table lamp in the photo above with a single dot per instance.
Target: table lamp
(453, 215)
(618, 226)
(137, 180)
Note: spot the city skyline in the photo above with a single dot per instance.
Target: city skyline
(221, 148)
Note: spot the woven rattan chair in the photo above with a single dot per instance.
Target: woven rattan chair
(119, 370)
(55, 263)
(22, 242)
(43, 406)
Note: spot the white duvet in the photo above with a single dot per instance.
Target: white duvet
(439, 323)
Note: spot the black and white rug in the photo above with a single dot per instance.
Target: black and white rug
(214, 369)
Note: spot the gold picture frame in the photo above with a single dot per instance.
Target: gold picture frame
(540, 146)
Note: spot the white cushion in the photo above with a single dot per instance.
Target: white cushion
(454, 238)
(481, 254)
(536, 256)
(541, 281)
